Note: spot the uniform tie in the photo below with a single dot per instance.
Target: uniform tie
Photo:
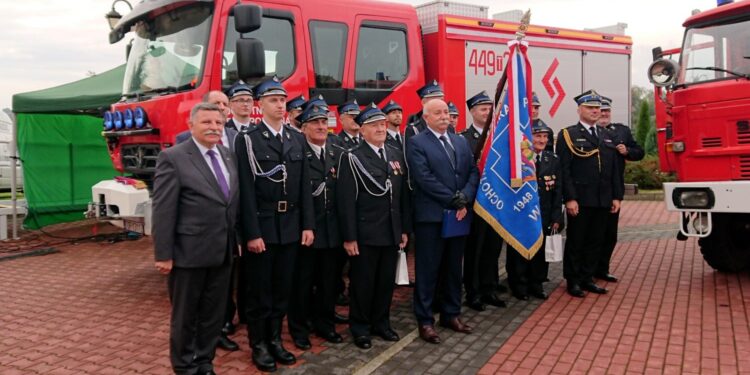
(398, 138)
(323, 155)
(355, 140)
(449, 150)
(280, 138)
(593, 131)
(381, 152)
(538, 159)
(219, 174)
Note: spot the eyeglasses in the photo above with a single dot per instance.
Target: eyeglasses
(243, 101)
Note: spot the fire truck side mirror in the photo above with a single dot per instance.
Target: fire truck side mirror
(247, 17)
(663, 72)
(251, 59)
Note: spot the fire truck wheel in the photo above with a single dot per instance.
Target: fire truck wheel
(727, 248)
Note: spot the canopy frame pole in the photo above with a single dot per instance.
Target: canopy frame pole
(13, 173)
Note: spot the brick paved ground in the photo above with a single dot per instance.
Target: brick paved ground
(100, 308)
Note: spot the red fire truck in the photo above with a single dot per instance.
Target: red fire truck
(369, 50)
(703, 124)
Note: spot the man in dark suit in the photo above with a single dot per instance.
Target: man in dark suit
(314, 282)
(525, 277)
(484, 244)
(393, 116)
(592, 189)
(195, 206)
(276, 218)
(627, 149)
(349, 136)
(445, 177)
(374, 216)
(241, 105)
(228, 136)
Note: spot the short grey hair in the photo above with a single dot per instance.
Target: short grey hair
(202, 106)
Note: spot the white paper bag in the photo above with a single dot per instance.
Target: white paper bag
(402, 269)
(553, 249)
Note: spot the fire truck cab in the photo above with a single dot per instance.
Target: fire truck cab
(703, 120)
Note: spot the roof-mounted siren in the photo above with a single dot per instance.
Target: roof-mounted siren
(723, 2)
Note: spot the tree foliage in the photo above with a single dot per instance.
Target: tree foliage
(643, 125)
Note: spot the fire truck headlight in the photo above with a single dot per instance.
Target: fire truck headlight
(127, 118)
(678, 146)
(117, 116)
(108, 121)
(663, 72)
(698, 198)
(140, 118)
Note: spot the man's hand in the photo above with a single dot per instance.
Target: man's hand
(622, 149)
(404, 241)
(572, 208)
(458, 201)
(555, 227)
(615, 206)
(308, 237)
(257, 245)
(461, 213)
(164, 266)
(351, 248)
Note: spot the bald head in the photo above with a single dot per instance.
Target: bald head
(435, 113)
(219, 99)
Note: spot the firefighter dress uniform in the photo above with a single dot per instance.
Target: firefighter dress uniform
(590, 177)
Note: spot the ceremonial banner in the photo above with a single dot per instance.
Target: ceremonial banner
(507, 197)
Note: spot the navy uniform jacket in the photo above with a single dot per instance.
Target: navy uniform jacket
(231, 125)
(622, 135)
(260, 216)
(371, 220)
(436, 179)
(389, 140)
(591, 181)
(326, 216)
(346, 141)
(472, 136)
(549, 182)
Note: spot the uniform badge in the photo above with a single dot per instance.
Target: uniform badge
(265, 134)
(287, 136)
(476, 135)
(332, 172)
(396, 166)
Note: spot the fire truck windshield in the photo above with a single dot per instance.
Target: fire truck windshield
(716, 52)
(168, 51)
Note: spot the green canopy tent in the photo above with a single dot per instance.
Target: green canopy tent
(61, 147)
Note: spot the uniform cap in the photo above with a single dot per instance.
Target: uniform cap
(452, 109)
(318, 101)
(606, 103)
(430, 90)
(589, 98)
(541, 127)
(369, 114)
(391, 106)
(313, 112)
(481, 98)
(535, 100)
(349, 108)
(297, 103)
(239, 88)
(269, 87)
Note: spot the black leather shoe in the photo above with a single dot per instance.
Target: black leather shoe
(607, 277)
(280, 354)
(521, 296)
(227, 344)
(228, 328)
(342, 300)
(262, 358)
(593, 288)
(500, 288)
(302, 344)
(575, 291)
(539, 294)
(332, 337)
(340, 319)
(209, 372)
(388, 335)
(476, 305)
(363, 342)
(492, 300)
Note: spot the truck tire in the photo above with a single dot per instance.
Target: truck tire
(727, 248)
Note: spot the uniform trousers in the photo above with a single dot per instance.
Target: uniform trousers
(198, 297)
(431, 250)
(524, 275)
(585, 236)
(314, 294)
(610, 241)
(236, 283)
(371, 282)
(481, 256)
(269, 279)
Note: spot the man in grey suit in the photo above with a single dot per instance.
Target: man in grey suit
(195, 207)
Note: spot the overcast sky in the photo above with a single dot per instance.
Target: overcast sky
(45, 43)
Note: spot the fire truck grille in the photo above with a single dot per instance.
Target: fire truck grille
(745, 166)
(140, 159)
(711, 142)
(743, 135)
